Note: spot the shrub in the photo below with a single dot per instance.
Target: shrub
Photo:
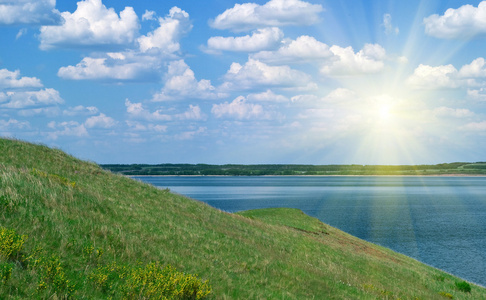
(5, 272)
(155, 282)
(463, 286)
(105, 277)
(11, 243)
(52, 276)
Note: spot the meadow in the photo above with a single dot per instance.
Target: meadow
(69, 229)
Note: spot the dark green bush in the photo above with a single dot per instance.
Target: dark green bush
(463, 286)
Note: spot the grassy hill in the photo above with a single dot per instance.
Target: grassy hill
(70, 229)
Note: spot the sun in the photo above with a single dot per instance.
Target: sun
(384, 113)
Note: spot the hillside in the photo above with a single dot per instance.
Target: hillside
(70, 229)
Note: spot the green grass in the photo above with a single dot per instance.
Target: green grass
(90, 234)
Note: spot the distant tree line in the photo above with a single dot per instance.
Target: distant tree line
(295, 170)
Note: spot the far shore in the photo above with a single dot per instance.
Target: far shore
(327, 175)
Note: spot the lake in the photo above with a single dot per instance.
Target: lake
(440, 221)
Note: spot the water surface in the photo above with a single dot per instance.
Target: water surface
(440, 221)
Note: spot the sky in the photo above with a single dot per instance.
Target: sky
(262, 82)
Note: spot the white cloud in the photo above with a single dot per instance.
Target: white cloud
(21, 32)
(49, 111)
(149, 15)
(188, 135)
(475, 126)
(387, 24)
(452, 112)
(304, 99)
(341, 95)
(143, 64)
(261, 39)
(193, 113)
(273, 13)
(165, 39)
(12, 124)
(428, 77)
(475, 69)
(136, 110)
(137, 126)
(465, 22)
(304, 48)
(257, 74)
(92, 24)
(30, 99)
(316, 113)
(181, 83)
(100, 121)
(267, 96)
(33, 12)
(70, 128)
(13, 80)
(477, 94)
(238, 109)
(128, 66)
(367, 60)
(80, 110)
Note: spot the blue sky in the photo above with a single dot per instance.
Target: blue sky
(279, 81)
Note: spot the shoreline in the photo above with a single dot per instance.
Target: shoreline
(328, 175)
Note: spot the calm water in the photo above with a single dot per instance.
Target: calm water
(438, 220)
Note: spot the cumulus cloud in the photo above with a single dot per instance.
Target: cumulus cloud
(257, 74)
(193, 113)
(12, 124)
(304, 48)
(475, 126)
(143, 64)
(239, 109)
(260, 39)
(26, 95)
(29, 12)
(137, 126)
(189, 135)
(30, 99)
(249, 16)
(340, 95)
(475, 69)
(465, 22)
(92, 24)
(477, 94)
(128, 66)
(100, 121)
(370, 59)
(181, 83)
(80, 110)
(149, 15)
(70, 128)
(13, 80)
(136, 110)
(165, 38)
(444, 111)
(428, 77)
(267, 96)
(337, 97)
(387, 24)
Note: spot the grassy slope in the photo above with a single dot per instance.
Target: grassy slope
(267, 254)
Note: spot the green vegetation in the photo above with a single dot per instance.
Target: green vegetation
(72, 230)
(296, 170)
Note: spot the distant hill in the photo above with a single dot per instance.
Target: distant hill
(69, 229)
(457, 168)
